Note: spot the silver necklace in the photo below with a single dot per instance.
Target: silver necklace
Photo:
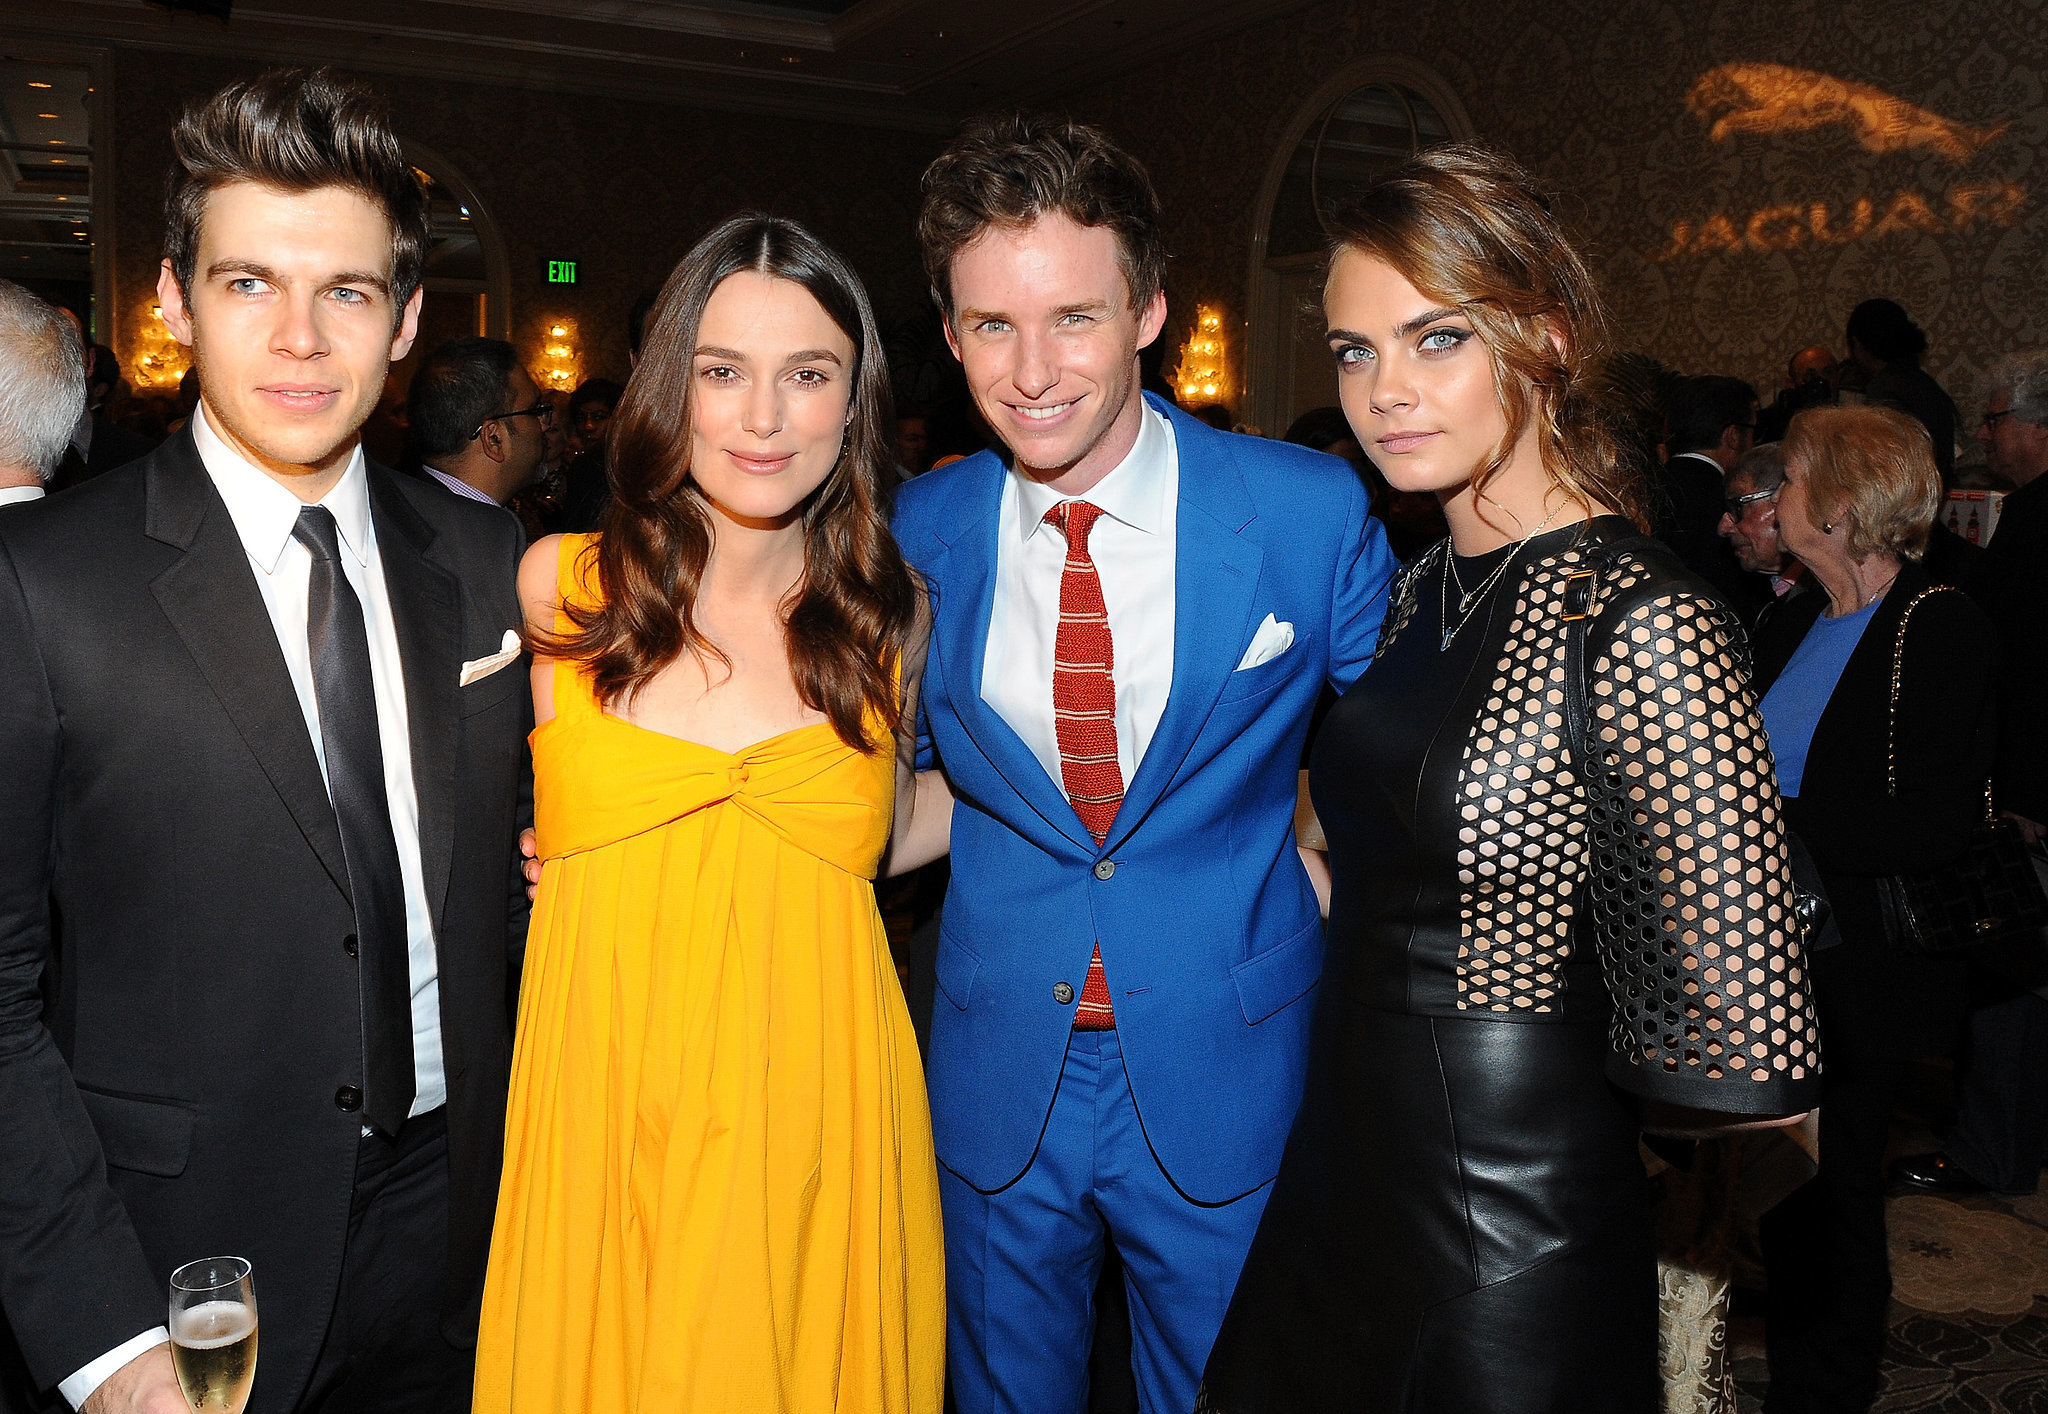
(1467, 598)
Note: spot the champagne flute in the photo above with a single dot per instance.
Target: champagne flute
(213, 1333)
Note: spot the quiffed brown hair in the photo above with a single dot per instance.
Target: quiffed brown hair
(1471, 230)
(853, 612)
(1010, 169)
(1872, 467)
(296, 130)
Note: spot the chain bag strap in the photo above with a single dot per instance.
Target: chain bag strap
(1989, 895)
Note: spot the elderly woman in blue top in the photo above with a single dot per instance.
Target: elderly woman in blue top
(1873, 786)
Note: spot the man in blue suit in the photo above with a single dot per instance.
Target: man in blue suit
(1134, 616)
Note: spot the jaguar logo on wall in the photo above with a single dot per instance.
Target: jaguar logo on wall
(1775, 99)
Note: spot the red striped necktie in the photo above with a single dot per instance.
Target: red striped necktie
(1084, 716)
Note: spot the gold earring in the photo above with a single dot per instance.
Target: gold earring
(1827, 527)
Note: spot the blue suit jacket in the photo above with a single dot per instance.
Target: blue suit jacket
(1208, 927)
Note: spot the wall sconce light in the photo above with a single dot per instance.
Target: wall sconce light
(155, 359)
(1203, 374)
(559, 354)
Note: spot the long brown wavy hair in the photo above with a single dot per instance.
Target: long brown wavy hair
(1471, 230)
(851, 613)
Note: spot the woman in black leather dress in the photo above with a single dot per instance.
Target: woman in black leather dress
(1560, 874)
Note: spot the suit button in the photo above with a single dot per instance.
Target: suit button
(348, 1099)
(1105, 868)
(1062, 993)
(348, 945)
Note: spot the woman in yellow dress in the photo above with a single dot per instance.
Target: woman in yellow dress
(719, 1188)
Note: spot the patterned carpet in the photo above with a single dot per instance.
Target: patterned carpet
(1969, 1310)
(1969, 1324)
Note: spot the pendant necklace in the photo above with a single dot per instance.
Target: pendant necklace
(1468, 598)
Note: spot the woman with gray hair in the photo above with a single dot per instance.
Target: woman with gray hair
(1877, 695)
(42, 391)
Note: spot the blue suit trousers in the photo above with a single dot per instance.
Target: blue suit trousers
(1022, 1263)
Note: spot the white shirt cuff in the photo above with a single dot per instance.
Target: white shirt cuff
(79, 1387)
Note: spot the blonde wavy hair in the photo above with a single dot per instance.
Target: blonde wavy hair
(1872, 467)
(1472, 230)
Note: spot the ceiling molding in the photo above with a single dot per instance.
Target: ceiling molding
(793, 32)
(586, 54)
(1032, 24)
(902, 65)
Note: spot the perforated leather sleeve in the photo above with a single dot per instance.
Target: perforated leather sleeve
(1688, 879)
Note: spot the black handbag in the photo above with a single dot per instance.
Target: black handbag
(1989, 895)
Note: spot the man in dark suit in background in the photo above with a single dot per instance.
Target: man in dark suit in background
(97, 445)
(1887, 347)
(1812, 379)
(1712, 423)
(479, 421)
(262, 734)
(2001, 1134)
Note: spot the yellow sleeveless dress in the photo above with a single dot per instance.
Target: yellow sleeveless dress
(719, 1188)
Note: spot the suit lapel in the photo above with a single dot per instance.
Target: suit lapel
(967, 570)
(211, 599)
(426, 610)
(1215, 578)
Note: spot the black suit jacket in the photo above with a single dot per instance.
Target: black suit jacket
(1907, 386)
(1686, 503)
(171, 857)
(2010, 579)
(1855, 829)
(112, 446)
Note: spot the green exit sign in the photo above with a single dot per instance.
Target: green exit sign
(561, 272)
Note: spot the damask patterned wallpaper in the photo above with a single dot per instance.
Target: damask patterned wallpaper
(626, 187)
(1865, 147)
(1873, 147)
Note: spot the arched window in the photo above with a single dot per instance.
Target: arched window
(1366, 120)
(468, 279)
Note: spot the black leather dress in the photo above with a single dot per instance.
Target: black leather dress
(1518, 947)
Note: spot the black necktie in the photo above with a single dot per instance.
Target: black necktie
(343, 687)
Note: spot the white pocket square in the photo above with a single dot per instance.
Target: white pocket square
(1268, 643)
(478, 669)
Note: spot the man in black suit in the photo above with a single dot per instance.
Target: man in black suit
(262, 746)
(2001, 1133)
(1712, 423)
(97, 445)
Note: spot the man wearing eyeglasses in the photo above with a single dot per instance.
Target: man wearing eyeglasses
(1749, 523)
(481, 421)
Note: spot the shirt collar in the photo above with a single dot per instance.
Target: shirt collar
(265, 513)
(1134, 492)
(12, 495)
(457, 484)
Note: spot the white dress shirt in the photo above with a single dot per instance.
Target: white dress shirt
(264, 514)
(9, 495)
(1134, 548)
(457, 484)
